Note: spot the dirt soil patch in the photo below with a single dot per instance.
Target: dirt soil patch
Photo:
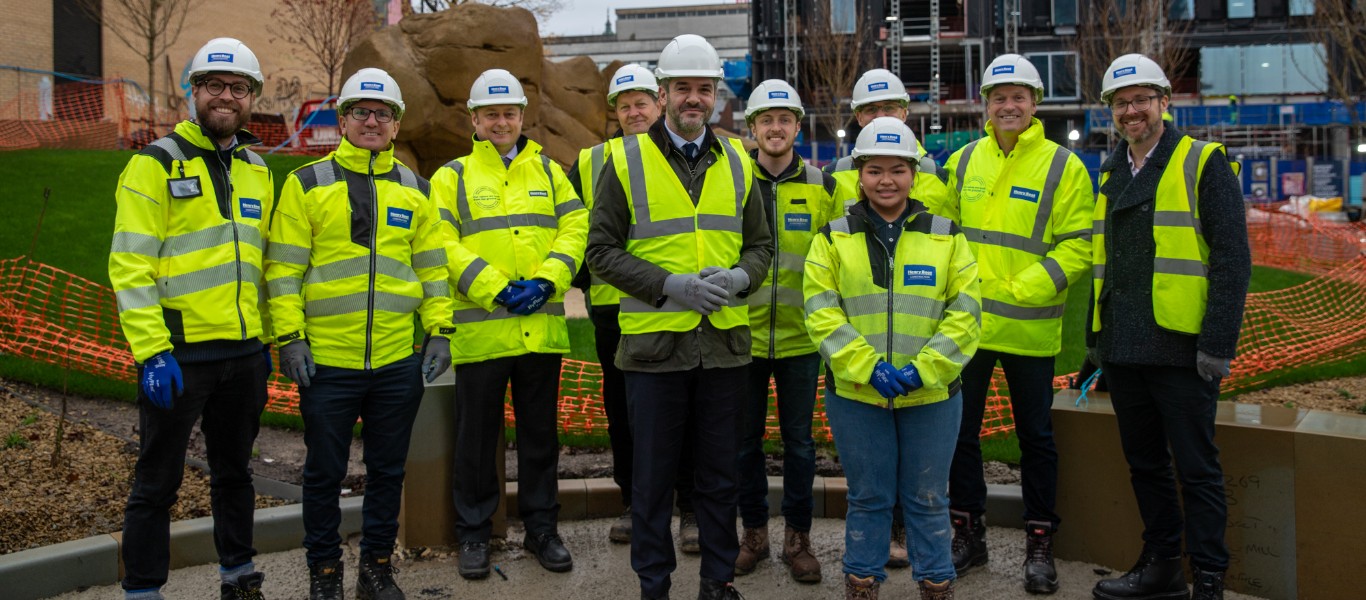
(1347, 394)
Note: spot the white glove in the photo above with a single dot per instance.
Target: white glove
(733, 281)
(690, 291)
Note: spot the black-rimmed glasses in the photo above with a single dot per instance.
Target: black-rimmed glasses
(1140, 104)
(361, 114)
(216, 87)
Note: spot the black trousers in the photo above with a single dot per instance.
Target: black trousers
(607, 335)
(1173, 407)
(479, 392)
(663, 408)
(230, 395)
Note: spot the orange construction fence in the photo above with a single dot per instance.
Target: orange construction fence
(52, 316)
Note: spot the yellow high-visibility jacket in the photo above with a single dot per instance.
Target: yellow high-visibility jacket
(358, 248)
(509, 223)
(915, 303)
(591, 162)
(1028, 218)
(189, 234)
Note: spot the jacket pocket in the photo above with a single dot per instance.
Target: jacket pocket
(738, 340)
(649, 347)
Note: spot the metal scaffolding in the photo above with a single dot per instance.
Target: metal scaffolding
(935, 126)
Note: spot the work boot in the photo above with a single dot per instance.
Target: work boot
(1209, 585)
(549, 550)
(621, 529)
(798, 557)
(969, 541)
(325, 580)
(376, 579)
(897, 558)
(248, 587)
(1041, 577)
(688, 537)
(474, 560)
(753, 548)
(930, 590)
(1152, 578)
(712, 589)
(859, 588)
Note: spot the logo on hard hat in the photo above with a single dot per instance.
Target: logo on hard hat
(894, 138)
(498, 89)
(881, 85)
(220, 57)
(625, 78)
(772, 95)
(371, 85)
(1125, 71)
(1003, 69)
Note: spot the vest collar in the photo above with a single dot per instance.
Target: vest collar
(357, 160)
(792, 171)
(484, 150)
(659, 133)
(1029, 138)
(194, 133)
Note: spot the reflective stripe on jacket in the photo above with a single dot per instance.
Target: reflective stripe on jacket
(591, 162)
(358, 249)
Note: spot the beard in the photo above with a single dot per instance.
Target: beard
(222, 126)
(1149, 130)
(688, 126)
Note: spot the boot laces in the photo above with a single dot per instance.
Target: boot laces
(327, 583)
(381, 575)
(801, 543)
(241, 593)
(1207, 585)
(1039, 548)
(751, 540)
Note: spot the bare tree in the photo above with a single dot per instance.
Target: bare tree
(1109, 29)
(325, 30)
(543, 9)
(832, 63)
(1339, 29)
(147, 27)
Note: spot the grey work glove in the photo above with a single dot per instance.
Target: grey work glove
(1210, 367)
(436, 357)
(733, 281)
(691, 292)
(1093, 356)
(296, 362)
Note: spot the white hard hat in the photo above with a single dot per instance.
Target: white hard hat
(631, 77)
(1015, 70)
(496, 86)
(227, 55)
(878, 85)
(774, 93)
(1133, 69)
(371, 84)
(887, 136)
(688, 55)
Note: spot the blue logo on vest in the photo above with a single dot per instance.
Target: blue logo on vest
(498, 89)
(772, 95)
(400, 218)
(873, 87)
(797, 222)
(1025, 194)
(250, 207)
(918, 275)
(1125, 71)
(220, 57)
(538, 194)
(372, 85)
(625, 78)
(891, 138)
(1003, 69)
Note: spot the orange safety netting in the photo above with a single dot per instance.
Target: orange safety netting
(52, 316)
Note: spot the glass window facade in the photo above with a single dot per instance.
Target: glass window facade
(1301, 7)
(1182, 10)
(1271, 69)
(1064, 12)
(1059, 73)
(843, 16)
(1241, 9)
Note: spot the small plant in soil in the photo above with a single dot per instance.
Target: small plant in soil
(1346, 395)
(14, 440)
(1362, 409)
(30, 419)
(1289, 404)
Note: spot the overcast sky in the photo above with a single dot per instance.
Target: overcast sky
(586, 17)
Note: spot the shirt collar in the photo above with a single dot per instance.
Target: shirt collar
(1134, 169)
(678, 140)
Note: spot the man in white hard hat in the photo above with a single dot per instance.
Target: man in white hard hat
(358, 251)
(515, 239)
(1025, 205)
(633, 96)
(799, 200)
(189, 235)
(1171, 272)
(674, 229)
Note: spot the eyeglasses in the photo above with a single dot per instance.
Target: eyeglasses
(361, 114)
(216, 87)
(889, 109)
(1140, 104)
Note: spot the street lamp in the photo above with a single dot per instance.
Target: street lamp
(1361, 148)
(840, 134)
(1073, 135)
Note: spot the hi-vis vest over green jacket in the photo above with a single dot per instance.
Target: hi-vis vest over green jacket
(799, 203)
(591, 162)
(503, 224)
(915, 303)
(358, 248)
(189, 236)
(1028, 218)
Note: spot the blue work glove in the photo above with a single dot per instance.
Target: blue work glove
(912, 375)
(159, 374)
(436, 357)
(531, 295)
(296, 362)
(270, 364)
(506, 295)
(888, 381)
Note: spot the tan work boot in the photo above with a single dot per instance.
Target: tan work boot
(930, 590)
(753, 548)
(798, 557)
(897, 558)
(859, 588)
(689, 538)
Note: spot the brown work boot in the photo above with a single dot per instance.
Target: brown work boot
(689, 536)
(897, 558)
(620, 533)
(930, 590)
(753, 548)
(859, 588)
(798, 557)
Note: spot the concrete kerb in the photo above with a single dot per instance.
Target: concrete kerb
(51, 570)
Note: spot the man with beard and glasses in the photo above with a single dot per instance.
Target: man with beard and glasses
(674, 228)
(1171, 272)
(798, 201)
(189, 234)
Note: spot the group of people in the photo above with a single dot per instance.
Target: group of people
(711, 273)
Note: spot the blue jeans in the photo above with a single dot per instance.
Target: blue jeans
(889, 455)
(386, 401)
(795, 377)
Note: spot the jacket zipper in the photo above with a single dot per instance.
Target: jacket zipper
(236, 245)
(773, 302)
(370, 298)
(891, 269)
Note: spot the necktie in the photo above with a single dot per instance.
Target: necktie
(690, 150)
(507, 162)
